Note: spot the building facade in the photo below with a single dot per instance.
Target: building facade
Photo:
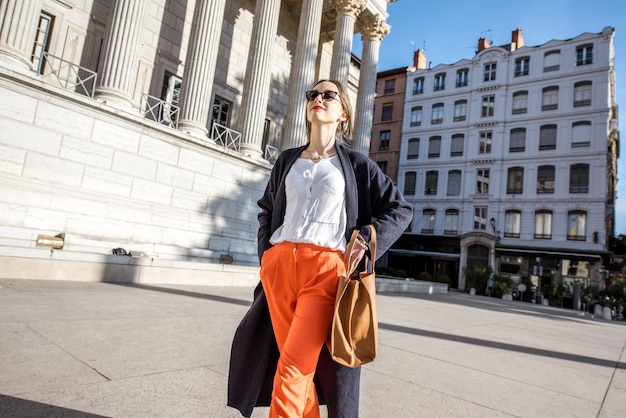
(510, 161)
(149, 127)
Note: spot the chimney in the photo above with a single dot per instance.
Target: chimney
(483, 44)
(419, 60)
(517, 39)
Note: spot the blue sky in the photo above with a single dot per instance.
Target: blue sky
(448, 30)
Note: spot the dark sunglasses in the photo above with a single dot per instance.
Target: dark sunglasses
(326, 95)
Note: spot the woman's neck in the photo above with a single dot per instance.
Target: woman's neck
(322, 140)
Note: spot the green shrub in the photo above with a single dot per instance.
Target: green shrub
(400, 273)
(502, 285)
(444, 279)
(476, 276)
(425, 276)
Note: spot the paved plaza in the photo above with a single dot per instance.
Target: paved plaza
(85, 349)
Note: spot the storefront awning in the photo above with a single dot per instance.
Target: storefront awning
(433, 254)
(547, 253)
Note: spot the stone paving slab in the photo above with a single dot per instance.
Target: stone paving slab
(85, 349)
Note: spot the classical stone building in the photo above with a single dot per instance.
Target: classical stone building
(149, 127)
(510, 160)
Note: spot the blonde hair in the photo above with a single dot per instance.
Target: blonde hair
(344, 128)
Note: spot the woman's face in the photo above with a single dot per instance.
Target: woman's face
(325, 108)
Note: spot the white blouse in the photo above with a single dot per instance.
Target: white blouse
(316, 207)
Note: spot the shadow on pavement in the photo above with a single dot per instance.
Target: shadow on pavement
(504, 346)
(21, 408)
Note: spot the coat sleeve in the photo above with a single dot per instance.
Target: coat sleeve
(390, 211)
(266, 203)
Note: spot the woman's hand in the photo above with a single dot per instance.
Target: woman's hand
(356, 255)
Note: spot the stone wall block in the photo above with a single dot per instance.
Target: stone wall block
(53, 170)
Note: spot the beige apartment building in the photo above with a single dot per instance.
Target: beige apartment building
(137, 135)
(509, 159)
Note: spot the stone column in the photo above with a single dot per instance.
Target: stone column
(116, 81)
(347, 12)
(302, 72)
(18, 26)
(256, 85)
(195, 92)
(373, 30)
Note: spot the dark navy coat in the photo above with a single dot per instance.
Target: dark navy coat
(371, 198)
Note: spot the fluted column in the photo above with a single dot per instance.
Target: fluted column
(302, 72)
(18, 25)
(347, 12)
(195, 94)
(373, 30)
(258, 72)
(116, 81)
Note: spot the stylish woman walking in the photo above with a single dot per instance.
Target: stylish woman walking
(316, 196)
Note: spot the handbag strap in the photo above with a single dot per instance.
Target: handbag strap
(372, 247)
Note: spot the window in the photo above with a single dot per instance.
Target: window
(170, 94)
(579, 178)
(515, 180)
(437, 114)
(42, 41)
(383, 166)
(451, 223)
(456, 145)
(409, 183)
(550, 98)
(462, 77)
(512, 223)
(547, 137)
(480, 218)
(584, 55)
(428, 221)
(434, 146)
(543, 224)
(582, 93)
(520, 102)
(485, 142)
(413, 149)
(418, 85)
(490, 71)
(488, 105)
(390, 86)
(221, 112)
(385, 137)
(517, 141)
(545, 179)
(522, 66)
(460, 110)
(454, 183)
(552, 60)
(416, 116)
(482, 181)
(387, 112)
(576, 225)
(440, 81)
(581, 134)
(430, 189)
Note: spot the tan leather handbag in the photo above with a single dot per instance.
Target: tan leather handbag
(354, 334)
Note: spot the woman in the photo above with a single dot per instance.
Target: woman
(316, 196)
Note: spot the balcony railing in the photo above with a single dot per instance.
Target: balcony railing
(226, 137)
(70, 76)
(271, 154)
(160, 111)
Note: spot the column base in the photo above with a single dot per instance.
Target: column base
(15, 63)
(114, 98)
(252, 151)
(194, 129)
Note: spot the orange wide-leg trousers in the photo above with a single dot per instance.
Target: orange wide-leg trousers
(300, 283)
